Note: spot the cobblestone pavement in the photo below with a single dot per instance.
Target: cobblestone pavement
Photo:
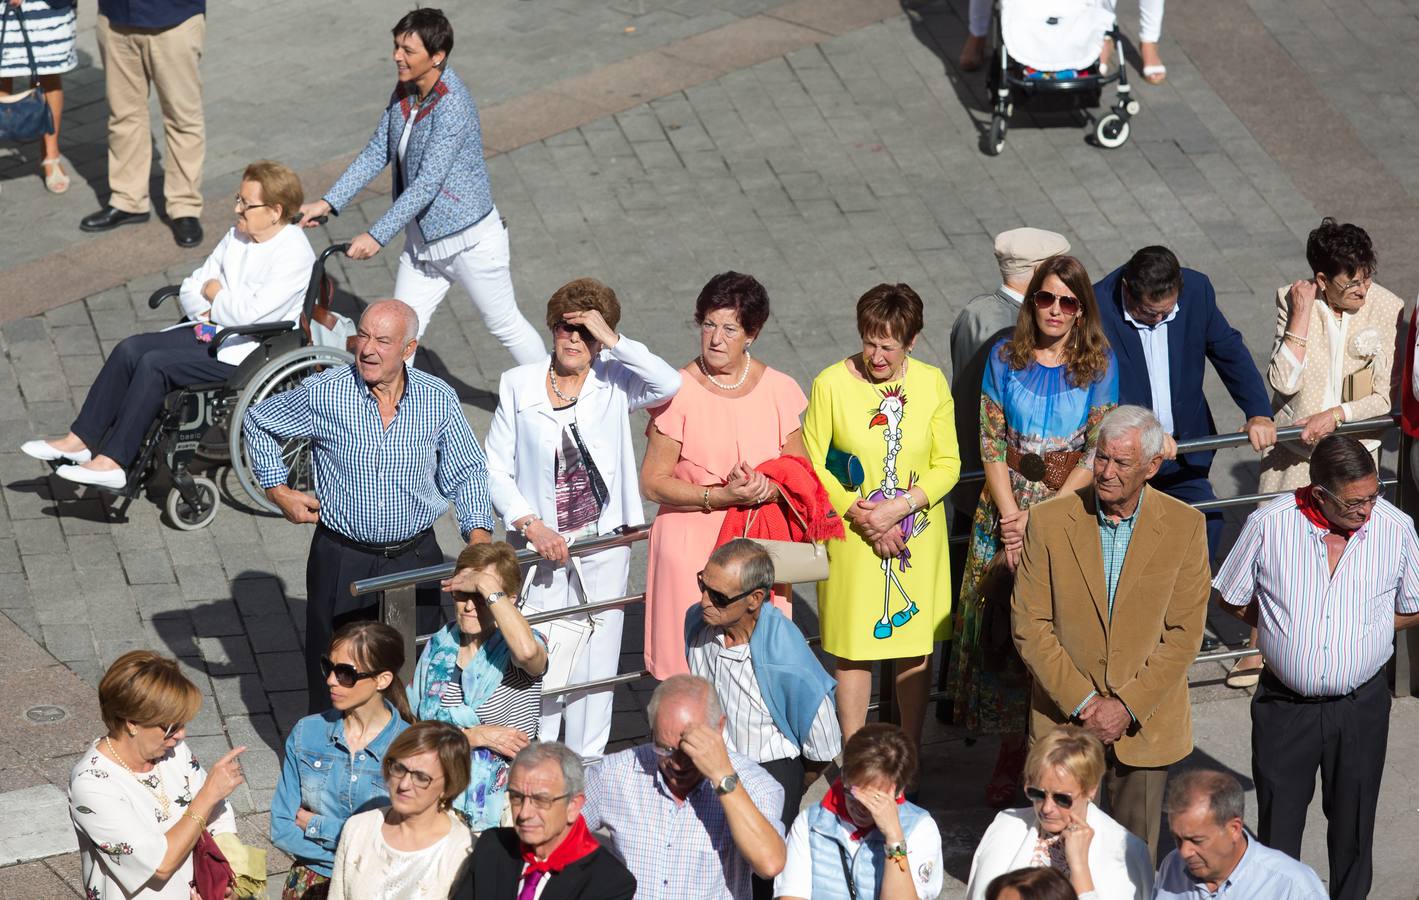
(824, 171)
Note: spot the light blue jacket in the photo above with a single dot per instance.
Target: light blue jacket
(446, 180)
(831, 854)
(321, 774)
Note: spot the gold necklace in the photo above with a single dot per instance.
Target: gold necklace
(155, 789)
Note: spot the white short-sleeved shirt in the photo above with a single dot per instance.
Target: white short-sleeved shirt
(923, 858)
(121, 827)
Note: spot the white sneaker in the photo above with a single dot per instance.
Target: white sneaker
(44, 450)
(113, 480)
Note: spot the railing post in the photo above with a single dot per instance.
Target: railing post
(396, 609)
(1406, 644)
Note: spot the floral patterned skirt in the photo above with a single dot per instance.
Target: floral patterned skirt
(305, 884)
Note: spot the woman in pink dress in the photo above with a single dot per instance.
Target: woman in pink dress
(731, 414)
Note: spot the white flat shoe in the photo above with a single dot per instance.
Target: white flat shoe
(113, 480)
(44, 450)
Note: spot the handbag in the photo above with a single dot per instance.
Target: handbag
(795, 562)
(566, 637)
(211, 873)
(24, 116)
(997, 642)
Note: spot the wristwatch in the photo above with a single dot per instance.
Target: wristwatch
(727, 784)
(495, 596)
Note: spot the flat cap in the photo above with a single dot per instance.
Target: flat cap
(1019, 250)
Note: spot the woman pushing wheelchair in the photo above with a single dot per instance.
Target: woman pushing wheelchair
(257, 274)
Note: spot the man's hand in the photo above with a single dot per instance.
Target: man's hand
(705, 747)
(302, 509)
(1170, 447)
(480, 536)
(1261, 431)
(1107, 718)
(363, 247)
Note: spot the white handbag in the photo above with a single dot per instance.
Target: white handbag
(566, 637)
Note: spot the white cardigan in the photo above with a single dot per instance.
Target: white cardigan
(261, 283)
(523, 440)
(1118, 860)
(363, 860)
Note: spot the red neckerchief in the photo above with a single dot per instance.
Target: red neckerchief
(835, 802)
(577, 844)
(1309, 506)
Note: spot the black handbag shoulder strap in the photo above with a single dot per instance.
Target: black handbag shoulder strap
(24, 35)
(847, 871)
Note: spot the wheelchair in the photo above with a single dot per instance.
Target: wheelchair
(204, 420)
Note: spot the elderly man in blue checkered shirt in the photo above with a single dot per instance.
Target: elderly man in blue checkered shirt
(390, 450)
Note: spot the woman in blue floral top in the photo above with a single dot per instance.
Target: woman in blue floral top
(138, 798)
(332, 762)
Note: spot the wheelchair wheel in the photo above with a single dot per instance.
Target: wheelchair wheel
(280, 374)
(186, 517)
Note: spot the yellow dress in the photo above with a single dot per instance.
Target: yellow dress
(904, 434)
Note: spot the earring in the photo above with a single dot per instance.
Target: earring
(132, 732)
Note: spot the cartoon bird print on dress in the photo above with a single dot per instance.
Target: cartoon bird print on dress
(889, 414)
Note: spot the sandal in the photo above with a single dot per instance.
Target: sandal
(1154, 72)
(56, 181)
(1247, 676)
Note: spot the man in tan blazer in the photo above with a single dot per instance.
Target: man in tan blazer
(1110, 597)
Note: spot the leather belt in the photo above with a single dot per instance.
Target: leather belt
(1050, 468)
(388, 551)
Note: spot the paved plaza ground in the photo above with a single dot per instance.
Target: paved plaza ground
(822, 145)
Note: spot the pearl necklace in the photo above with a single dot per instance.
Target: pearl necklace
(743, 377)
(152, 783)
(552, 380)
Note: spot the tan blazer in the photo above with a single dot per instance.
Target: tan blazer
(1060, 614)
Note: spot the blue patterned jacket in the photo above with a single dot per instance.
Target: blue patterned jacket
(446, 186)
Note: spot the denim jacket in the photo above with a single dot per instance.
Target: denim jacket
(446, 179)
(320, 773)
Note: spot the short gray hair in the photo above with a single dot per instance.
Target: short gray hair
(1122, 419)
(678, 687)
(756, 567)
(573, 772)
(1222, 792)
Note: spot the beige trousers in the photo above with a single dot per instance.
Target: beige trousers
(168, 59)
(1134, 798)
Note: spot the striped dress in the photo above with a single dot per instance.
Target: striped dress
(51, 26)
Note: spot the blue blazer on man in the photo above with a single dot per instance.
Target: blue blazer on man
(1199, 332)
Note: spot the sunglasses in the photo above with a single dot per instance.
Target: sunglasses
(719, 598)
(397, 771)
(566, 329)
(1063, 801)
(1044, 301)
(346, 675)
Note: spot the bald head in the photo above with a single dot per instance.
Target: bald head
(394, 312)
(387, 338)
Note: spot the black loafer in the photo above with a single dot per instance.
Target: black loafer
(1209, 643)
(108, 217)
(187, 231)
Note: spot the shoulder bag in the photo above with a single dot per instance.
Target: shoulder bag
(24, 116)
(795, 562)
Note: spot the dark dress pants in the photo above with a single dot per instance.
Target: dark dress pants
(1344, 737)
(334, 562)
(789, 774)
(128, 393)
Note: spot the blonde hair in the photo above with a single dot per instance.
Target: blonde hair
(279, 185)
(144, 687)
(1072, 749)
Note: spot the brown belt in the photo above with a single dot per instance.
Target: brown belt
(1050, 468)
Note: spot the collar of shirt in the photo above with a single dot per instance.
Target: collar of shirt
(372, 397)
(1142, 327)
(1129, 520)
(1013, 294)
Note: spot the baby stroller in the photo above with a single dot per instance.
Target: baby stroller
(1052, 47)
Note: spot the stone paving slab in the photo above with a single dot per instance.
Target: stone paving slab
(34, 823)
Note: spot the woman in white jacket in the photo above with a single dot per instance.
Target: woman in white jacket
(1062, 828)
(258, 273)
(562, 469)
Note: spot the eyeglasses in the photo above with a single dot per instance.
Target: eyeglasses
(397, 771)
(1044, 301)
(346, 675)
(566, 329)
(538, 801)
(169, 731)
(468, 599)
(663, 752)
(719, 598)
(1352, 505)
(1361, 283)
(243, 206)
(1063, 801)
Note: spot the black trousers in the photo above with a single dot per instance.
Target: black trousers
(1344, 737)
(334, 562)
(789, 774)
(1190, 484)
(128, 393)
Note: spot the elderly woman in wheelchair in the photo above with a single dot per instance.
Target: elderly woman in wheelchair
(257, 274)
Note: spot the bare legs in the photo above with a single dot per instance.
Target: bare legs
(913, 683)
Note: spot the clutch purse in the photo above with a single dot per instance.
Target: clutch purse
(1358, 384)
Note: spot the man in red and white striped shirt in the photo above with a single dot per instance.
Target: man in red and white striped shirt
(1326, 575)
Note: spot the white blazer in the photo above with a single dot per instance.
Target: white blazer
(523, 440)
(1118, 860)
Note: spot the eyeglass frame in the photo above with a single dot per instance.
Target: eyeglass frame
(712, 593)
(1038, 795)
(243, 206)
(1057, 299)
(538, 801)
(1356, 504)
(329, 667)
(1346, 287)
(420, 779)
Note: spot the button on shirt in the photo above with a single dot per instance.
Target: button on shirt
(675, 849)
(1323, 635)
(375, 484)
(1261, 874)
(1154, 339)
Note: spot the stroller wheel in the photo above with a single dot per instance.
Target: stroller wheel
(995, 140)
(1112, 131)
(186, 517)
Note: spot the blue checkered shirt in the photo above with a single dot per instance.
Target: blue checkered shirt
(675, 850)
(1114, 538)
(377, 485)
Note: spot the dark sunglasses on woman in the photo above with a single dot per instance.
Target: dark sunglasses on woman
(1063, 801)
(346, 675)
(1044, 300)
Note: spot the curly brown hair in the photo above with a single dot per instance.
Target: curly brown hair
(1086, 357)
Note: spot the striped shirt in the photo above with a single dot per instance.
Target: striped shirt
(1323, 634)
(517, 702)
(375, 484)
(676, 850)
(749, 724)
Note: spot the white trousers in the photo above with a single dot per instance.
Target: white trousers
(587, 725)
(482, 269)
(1150, 18)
